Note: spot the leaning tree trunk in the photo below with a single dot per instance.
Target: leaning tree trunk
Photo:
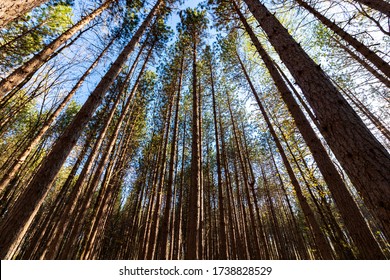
(12, 9)
(364, 159)
(14, 169)
(366, 65)
(354, 221)
(379, 5)
(358, 46)
(17, 220)
(19, 75)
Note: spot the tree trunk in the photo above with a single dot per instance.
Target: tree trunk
(361, 155)
(19, 75)
(11, 172)
(164, 226)
(192, 230)
(12, 9)
(17, 220)
(358, 46)
(379, 5)
(222, 227)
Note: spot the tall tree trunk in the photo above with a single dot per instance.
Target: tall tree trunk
(346, 204)
(379, 5)
(19, 75)
(358, 46)
(20, 216)
(192, 229)
(222, 227)
(364, 159)
(11, 172)
(164, 226)
(12, 9)
(155, 219)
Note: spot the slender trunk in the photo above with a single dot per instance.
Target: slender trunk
(358, 46)
(31, 66)
(164, 226)
(222, 227)
(17, 219)
(364, 159)
(155, 223)
(192, 230)
(11, 172)
(12, 9)
(353, 219)
(379, 5)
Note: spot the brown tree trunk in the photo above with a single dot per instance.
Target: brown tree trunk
(11, 172)
(222, 227)
(17, 219)
(31, 66)
(358, 46)
(347, 206)
(12, 9)
(379, 5)
(364, 159)
(155, 219)
(164, 226)
(192, 226)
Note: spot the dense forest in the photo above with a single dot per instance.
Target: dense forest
(214, 129)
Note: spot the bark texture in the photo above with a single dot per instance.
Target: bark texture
(12, 9)
(17, 220)
(364, 159)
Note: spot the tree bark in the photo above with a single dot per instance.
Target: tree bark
(379, 5)
(11, 172)
(12, 9)
(19, 75)
(17, 219)
(192, 230)
(363, 158)
(358, 46)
